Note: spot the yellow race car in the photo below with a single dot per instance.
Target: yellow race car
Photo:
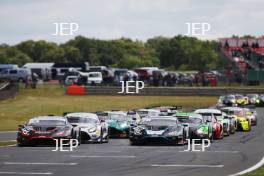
(242, 122)
(241, 100)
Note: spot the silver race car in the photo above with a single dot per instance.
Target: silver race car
(92, 129)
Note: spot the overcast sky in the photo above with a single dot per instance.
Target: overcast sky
(137, 19)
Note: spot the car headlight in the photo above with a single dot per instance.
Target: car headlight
(25, 131)
(91, 130)
(257, 101)
(173, 133)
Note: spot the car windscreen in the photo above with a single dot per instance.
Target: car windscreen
(252, 96)
(218, 116)
(189, 120)
(118, 117)
(94, 75)
(44, 122)
(142, 113)
(206, 116)
(158, 122)
(239, 97)
(74, 119)
(229, 97)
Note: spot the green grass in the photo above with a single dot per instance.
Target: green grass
(5, 143)
(50, 99)
(258, 172)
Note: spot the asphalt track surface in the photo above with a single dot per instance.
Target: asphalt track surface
(225, 157)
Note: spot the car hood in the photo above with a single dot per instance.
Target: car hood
(119, 125)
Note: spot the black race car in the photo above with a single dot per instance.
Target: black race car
(166, 130)
(43, 130)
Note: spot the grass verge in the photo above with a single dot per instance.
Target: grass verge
(258, 172)
(6, 143)
(50, 99)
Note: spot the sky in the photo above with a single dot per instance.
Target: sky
(22, 20)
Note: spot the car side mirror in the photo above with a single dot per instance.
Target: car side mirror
(208, 121)
(134, 118)
(74, 125)
(102, 121)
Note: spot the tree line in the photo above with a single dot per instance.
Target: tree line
(176, 53)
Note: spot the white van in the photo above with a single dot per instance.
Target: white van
(94, 78)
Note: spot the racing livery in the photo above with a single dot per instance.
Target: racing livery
(198, 127)
(210, 116)
(157, 129)
(243, 124)
(92, 129)
(44, 129)
(118, 123)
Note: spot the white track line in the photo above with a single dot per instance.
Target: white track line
(217, 151)
(101, 156)
(256, 166)
(26, 173)
(183, 165)
(3, 132)
(22, 163)
(8, 146)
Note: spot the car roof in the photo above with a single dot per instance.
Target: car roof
(233, 108)
(83, 114)
(188, 114)
(116, 112)
(48, 118)
(161, 117)
(214, 111)
(149, 110)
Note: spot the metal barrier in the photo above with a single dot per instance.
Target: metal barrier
(174, 91)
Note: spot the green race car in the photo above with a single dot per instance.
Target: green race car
(198, 127)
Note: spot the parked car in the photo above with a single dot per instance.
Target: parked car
(19, 74)
(94, 78)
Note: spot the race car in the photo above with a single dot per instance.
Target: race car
(148, 112)
(261, 100)
(243, 124)
(252, 117)
(241, 100)
(198, 127)
(232, 122)
(253, 99)
(43, 130)
(92, 129)
(229, 100)
(118, 123)
(167, 110)
(209, 116)
(165, 130)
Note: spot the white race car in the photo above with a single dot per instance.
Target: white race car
(92, 129)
